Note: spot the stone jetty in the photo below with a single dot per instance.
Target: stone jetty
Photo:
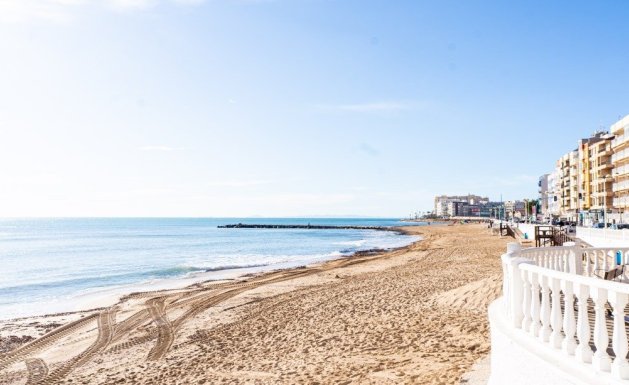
(308, 226)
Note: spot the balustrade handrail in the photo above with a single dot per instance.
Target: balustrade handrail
(594, 282)
(548, 294)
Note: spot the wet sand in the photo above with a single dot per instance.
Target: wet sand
(414, 315)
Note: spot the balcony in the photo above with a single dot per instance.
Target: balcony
(620, 156)
(621, 202)
(619, 141)
(604, 166)
(620, 186)
(622, 170)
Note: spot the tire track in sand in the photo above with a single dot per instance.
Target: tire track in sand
(37, 370)
(44, 341)
(106, 322)
(165, 333)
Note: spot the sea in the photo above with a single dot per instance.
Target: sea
(66, 264)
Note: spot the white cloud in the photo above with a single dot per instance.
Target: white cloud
(130, 5)
(517, 180)
(61, 11)
(238, 183)
(382, 106)
(18, 11)
(160, 148)
(189, 2)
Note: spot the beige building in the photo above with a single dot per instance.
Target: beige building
(595, 182)
(568, 169)
(620, 160)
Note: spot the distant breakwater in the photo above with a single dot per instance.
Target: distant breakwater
(308, 226)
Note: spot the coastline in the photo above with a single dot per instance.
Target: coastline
(247, 293)
(98, 298)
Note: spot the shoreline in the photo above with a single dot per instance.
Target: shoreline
(99, 298)
(386, 318)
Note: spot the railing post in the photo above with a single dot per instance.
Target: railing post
(601, 359)
(535, 307)
(583, 351)
(588, 265)
(555, 313)
(526, 301)
(544, 333)
(569, 344)
(620, 367)
(515, 284)
(575, 265)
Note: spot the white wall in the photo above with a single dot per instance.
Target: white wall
(604, 237)
(527, 228)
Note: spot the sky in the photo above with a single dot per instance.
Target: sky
(296, 107)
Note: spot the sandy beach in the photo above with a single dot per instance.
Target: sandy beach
(413, 315)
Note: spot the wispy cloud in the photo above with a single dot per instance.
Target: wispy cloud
(18, 11)
(238, 183)
(380, 106)
(61, 11)
(130, 5)
(160, 148)
(369, 149)
(516, 180)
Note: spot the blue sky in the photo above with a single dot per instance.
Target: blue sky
(290, 108)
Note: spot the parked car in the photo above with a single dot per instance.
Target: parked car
(622, 226)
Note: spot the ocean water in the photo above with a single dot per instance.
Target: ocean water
(46, 265)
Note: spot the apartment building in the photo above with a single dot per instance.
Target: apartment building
(553, 196)
(568, 171)
(594, 177)
(542, 185)
(446, 205)
(620, 161)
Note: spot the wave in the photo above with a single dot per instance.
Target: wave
(352, 243)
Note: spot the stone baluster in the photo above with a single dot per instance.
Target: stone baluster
(605, 262)
(535, 306)
(583, 351)
(588, 264)
(596, 265)
(526, 301)
(552, 262)
(555, 313)
(569, 327)
(544, 333)
(620, 367)
(601, 360)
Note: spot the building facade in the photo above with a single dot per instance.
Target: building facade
(620, 170)
(449, 205)
(543, 191)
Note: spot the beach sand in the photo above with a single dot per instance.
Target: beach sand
(414, 315)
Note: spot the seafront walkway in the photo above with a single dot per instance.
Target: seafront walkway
(559, 320)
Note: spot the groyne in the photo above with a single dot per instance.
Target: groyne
(308, 227)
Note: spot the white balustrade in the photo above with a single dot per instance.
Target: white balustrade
(583, 351)
(549, 292)
(568, 345)
(601, 360)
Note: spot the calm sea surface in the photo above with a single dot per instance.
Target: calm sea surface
(46, 263)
